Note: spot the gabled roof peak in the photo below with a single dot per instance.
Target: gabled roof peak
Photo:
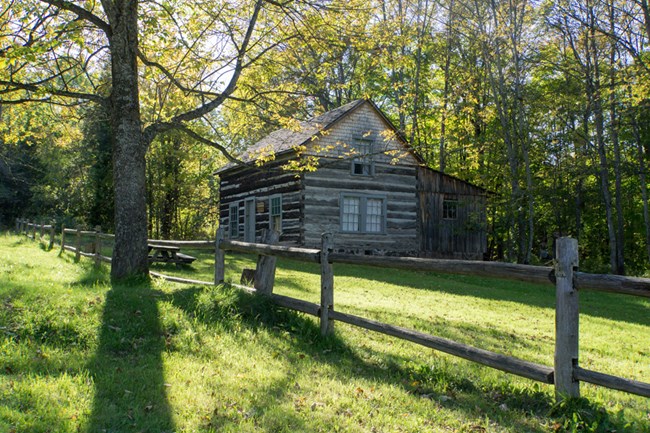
(286, 139)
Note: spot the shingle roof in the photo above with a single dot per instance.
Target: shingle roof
(285, 140)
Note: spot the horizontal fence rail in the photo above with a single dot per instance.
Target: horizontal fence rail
(302, 254)
(566, 373)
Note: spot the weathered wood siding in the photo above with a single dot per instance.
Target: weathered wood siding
(394, 180)
(261, 183)
(461, 237)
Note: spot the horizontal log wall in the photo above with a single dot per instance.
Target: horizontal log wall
(394, 180)
(261, 183)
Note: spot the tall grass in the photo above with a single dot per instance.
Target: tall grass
(80, 354)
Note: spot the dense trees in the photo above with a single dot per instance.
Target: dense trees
(546, 104)
(85, 51)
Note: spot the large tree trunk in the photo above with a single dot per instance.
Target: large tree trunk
(129, 168)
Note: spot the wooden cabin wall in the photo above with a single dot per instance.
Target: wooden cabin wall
(463, 237)
(261, 183)
(394, 179)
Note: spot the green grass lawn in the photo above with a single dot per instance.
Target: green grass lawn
(78, 354)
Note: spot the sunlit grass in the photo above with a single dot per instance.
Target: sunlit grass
(80, 355)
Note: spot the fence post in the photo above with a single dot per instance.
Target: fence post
(77, 255)
(34, 231)
(62, 239)
(17, 224)
(326, 285)
(219, 258)
(566, 319)
(98, 245)
(52, 234)
(42, 231)
(265, 270)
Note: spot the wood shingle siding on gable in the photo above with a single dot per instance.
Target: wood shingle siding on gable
(369, 190)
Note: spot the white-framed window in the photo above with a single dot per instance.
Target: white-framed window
(350, 214)
(275, 213)
(449, 209)
(362, 163)
(363, 213)
(233, 215)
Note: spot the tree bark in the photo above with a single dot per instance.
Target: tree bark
(129, 147)
(644, 182)
(614, 128)
(442, 157)
(594, 92)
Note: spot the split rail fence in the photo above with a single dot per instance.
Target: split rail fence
(566, 373)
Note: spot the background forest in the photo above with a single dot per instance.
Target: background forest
(545, 104)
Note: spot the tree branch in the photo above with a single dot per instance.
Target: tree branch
(168, 126)
(37, 101)
(239, 66)
(30, 87)
(171, 78)
(152, 130)
(82, 13)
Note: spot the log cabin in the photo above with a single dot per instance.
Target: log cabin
(351, 173)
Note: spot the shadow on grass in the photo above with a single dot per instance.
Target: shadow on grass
(611, 306)
(231, 308)
(127, 368)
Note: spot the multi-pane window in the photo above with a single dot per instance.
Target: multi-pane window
(234, 220)
(275, 213)
(449, 209)
(364, 214)
(351, 214)
(374, 214)
(362, 164)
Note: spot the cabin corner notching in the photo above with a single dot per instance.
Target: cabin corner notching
(369, 189)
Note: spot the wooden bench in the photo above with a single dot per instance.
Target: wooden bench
(168, 254)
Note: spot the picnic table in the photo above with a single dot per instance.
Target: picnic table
(168, 254)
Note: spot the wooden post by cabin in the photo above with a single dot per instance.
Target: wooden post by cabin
(52, 234)
(326, 285)
(265, 270)
(219, 258)
(566, 319)
(77, 255)
(98, 245)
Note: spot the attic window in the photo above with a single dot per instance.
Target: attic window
(363, 164)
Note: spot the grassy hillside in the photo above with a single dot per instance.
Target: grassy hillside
(78, 354)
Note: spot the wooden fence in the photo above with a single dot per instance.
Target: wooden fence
(566, 374)
(32, 229)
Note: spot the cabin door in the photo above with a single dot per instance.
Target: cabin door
(249, 220)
